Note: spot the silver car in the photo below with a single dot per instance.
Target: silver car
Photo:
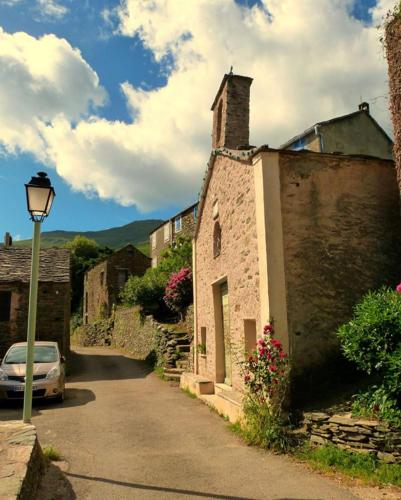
(48, 372)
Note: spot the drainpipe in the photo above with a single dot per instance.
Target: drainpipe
(319, 135)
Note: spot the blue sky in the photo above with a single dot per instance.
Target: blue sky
(121, 51)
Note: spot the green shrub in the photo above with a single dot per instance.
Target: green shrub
(50, 452)
(148, 290)
(372, 340)
(373, 336)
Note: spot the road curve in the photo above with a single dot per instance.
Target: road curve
(126, 435)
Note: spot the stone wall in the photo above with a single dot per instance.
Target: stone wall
(393, 50)
(22, 463)
(53, 315)
(134, 333)
(341, 228)
(232, 188)
(355, 434)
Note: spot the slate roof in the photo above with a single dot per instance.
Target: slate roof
(15, 265)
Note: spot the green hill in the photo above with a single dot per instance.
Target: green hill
(136, 232)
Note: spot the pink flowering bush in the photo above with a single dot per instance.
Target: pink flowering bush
(266, 370)
(178, 294)
(266, 374)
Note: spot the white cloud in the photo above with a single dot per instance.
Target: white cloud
(41, 78)
(51, 9)
(310, 61)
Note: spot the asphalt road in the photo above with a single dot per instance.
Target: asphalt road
(126, 435)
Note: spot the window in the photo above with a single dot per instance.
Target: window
(5, 306)
(216, 239)
(195, 213)
(218, 124)
(203, 341)
(122, 277)
(178, 224)
(86, 302)
(167, 231)
(102, 278)
(153, 239)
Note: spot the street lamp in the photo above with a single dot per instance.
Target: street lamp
(39, 195)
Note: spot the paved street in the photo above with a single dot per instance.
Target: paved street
(126, 434)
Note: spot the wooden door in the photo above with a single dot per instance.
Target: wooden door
(226, 333)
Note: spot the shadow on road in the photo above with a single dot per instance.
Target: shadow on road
(88, 364)
(12, 410)
(147, 487)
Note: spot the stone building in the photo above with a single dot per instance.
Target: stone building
(104, 282)
(294, 238)
(182, 224)
(355, 133)
(53, 314)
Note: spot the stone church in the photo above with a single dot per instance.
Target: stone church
(294, 238)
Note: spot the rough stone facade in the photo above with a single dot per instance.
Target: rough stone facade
(182, 224)
(231, 189)
(355, 434)
(340, 225)
(393, 50)
(103, 283)
(54, 296)
(231, 113)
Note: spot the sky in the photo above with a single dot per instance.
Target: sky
(112, 97)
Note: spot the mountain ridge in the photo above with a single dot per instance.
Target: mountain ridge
(136, 232)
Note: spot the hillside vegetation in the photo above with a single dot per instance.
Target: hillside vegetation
(136, 232)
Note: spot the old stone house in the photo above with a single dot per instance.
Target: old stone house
(294, 238)
(355, 133)
(104, 282)
(181, 224)
(53, 313)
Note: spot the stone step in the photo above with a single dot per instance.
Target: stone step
(183, 348)
(172, 371)
(174, 377)
(182, 363)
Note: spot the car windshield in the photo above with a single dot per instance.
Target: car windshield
(42, 354)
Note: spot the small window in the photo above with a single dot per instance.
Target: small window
(5, 306)
(216, 239)
(195, 213)
(178, 224)
(203, 340)
(86, 302)
(102, 278)
(167, 231)
(218, 124)
(153, 238)
(122, 277)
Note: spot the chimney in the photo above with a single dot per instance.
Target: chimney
(231, 113)
(364, 106)
(8, 241)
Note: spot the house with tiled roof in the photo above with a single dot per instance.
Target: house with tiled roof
(53, 313)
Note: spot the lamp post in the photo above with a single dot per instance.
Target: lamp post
(39, 195)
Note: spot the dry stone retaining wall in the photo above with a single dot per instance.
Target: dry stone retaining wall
(355, 434)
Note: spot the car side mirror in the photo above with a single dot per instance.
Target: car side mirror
(62, 359)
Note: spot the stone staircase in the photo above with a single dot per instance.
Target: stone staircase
(178, 350)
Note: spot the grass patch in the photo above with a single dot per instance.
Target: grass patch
(188, 393)
(159, 371)
(330, 458)
(52, 453)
